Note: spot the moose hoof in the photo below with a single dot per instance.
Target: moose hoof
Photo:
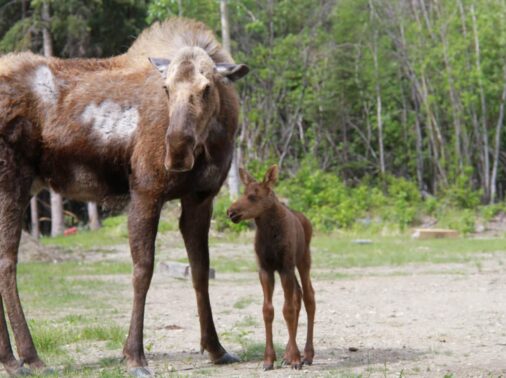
(140, 372)
(21, 371)
(227, 358)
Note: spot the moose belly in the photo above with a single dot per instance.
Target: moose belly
(84, 182)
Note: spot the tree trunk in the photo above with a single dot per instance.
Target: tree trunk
(34, 215)
(497, 146)
(484, 131)
(180, 8)
(93, 216)
(233, 174)
(57, 223)
(46, 33)
(57, 220)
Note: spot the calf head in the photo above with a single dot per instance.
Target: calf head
(191, 81)
(257, 196)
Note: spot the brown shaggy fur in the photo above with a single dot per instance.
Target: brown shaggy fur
(96, 129)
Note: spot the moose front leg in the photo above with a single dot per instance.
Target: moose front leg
(143, 220)
(194, 225)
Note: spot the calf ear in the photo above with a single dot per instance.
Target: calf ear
(271, 176)
(232, 72)
(246, 178)
(161, 64)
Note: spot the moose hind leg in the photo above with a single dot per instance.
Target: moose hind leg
(289, 283)
(297, 298)
(308, 296)
(15, 182)
(7, 359)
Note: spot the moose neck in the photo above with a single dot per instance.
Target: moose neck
(271, 217)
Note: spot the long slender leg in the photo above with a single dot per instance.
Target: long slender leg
(290, 312)
(7, 358)
(194, 225)
(267, 282)
(143, 220)
(298, 304)
(308, 296)
(15, 182)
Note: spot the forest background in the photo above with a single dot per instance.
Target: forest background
(382, 114)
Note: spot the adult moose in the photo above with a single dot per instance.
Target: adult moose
(153, 130)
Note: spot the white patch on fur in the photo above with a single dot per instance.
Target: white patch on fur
(111, 120)
(44, 85)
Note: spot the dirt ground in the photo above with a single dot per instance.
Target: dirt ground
(420, 324)
(416, 320)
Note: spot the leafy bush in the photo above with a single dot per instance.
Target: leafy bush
(461, 193)
(394, 202)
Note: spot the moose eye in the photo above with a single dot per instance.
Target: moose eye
(206, 92)
(252, 198)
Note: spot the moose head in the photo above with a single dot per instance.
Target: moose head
(191, 81)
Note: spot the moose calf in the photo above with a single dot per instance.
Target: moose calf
(281, 244)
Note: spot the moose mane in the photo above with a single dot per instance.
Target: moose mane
(165, 39)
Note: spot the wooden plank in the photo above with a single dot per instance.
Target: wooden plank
(180, 270)
(434, 233)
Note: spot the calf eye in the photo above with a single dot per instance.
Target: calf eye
(166, 90)
(252, 198)
(206, 92)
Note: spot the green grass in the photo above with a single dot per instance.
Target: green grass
(114, 231)
(70, 283)
(331, 251)
(49, 291)
(244, 302)
(248, 321)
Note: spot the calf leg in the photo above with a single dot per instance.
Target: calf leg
(143, 220)
(298, 304)
(267, 282)
(310, 305)
(289, 283)
(194, 225)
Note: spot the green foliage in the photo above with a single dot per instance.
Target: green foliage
(17, 38)
(489, 212)
(330, 203)
(461, 193)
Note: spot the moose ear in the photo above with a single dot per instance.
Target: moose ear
(271, 176)
(246, 178)
(161, 64)
(232, 72)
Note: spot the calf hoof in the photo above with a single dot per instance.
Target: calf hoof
(227, 358)
(297, 365)
(268, 367)
(140, 372)
(307, 361)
